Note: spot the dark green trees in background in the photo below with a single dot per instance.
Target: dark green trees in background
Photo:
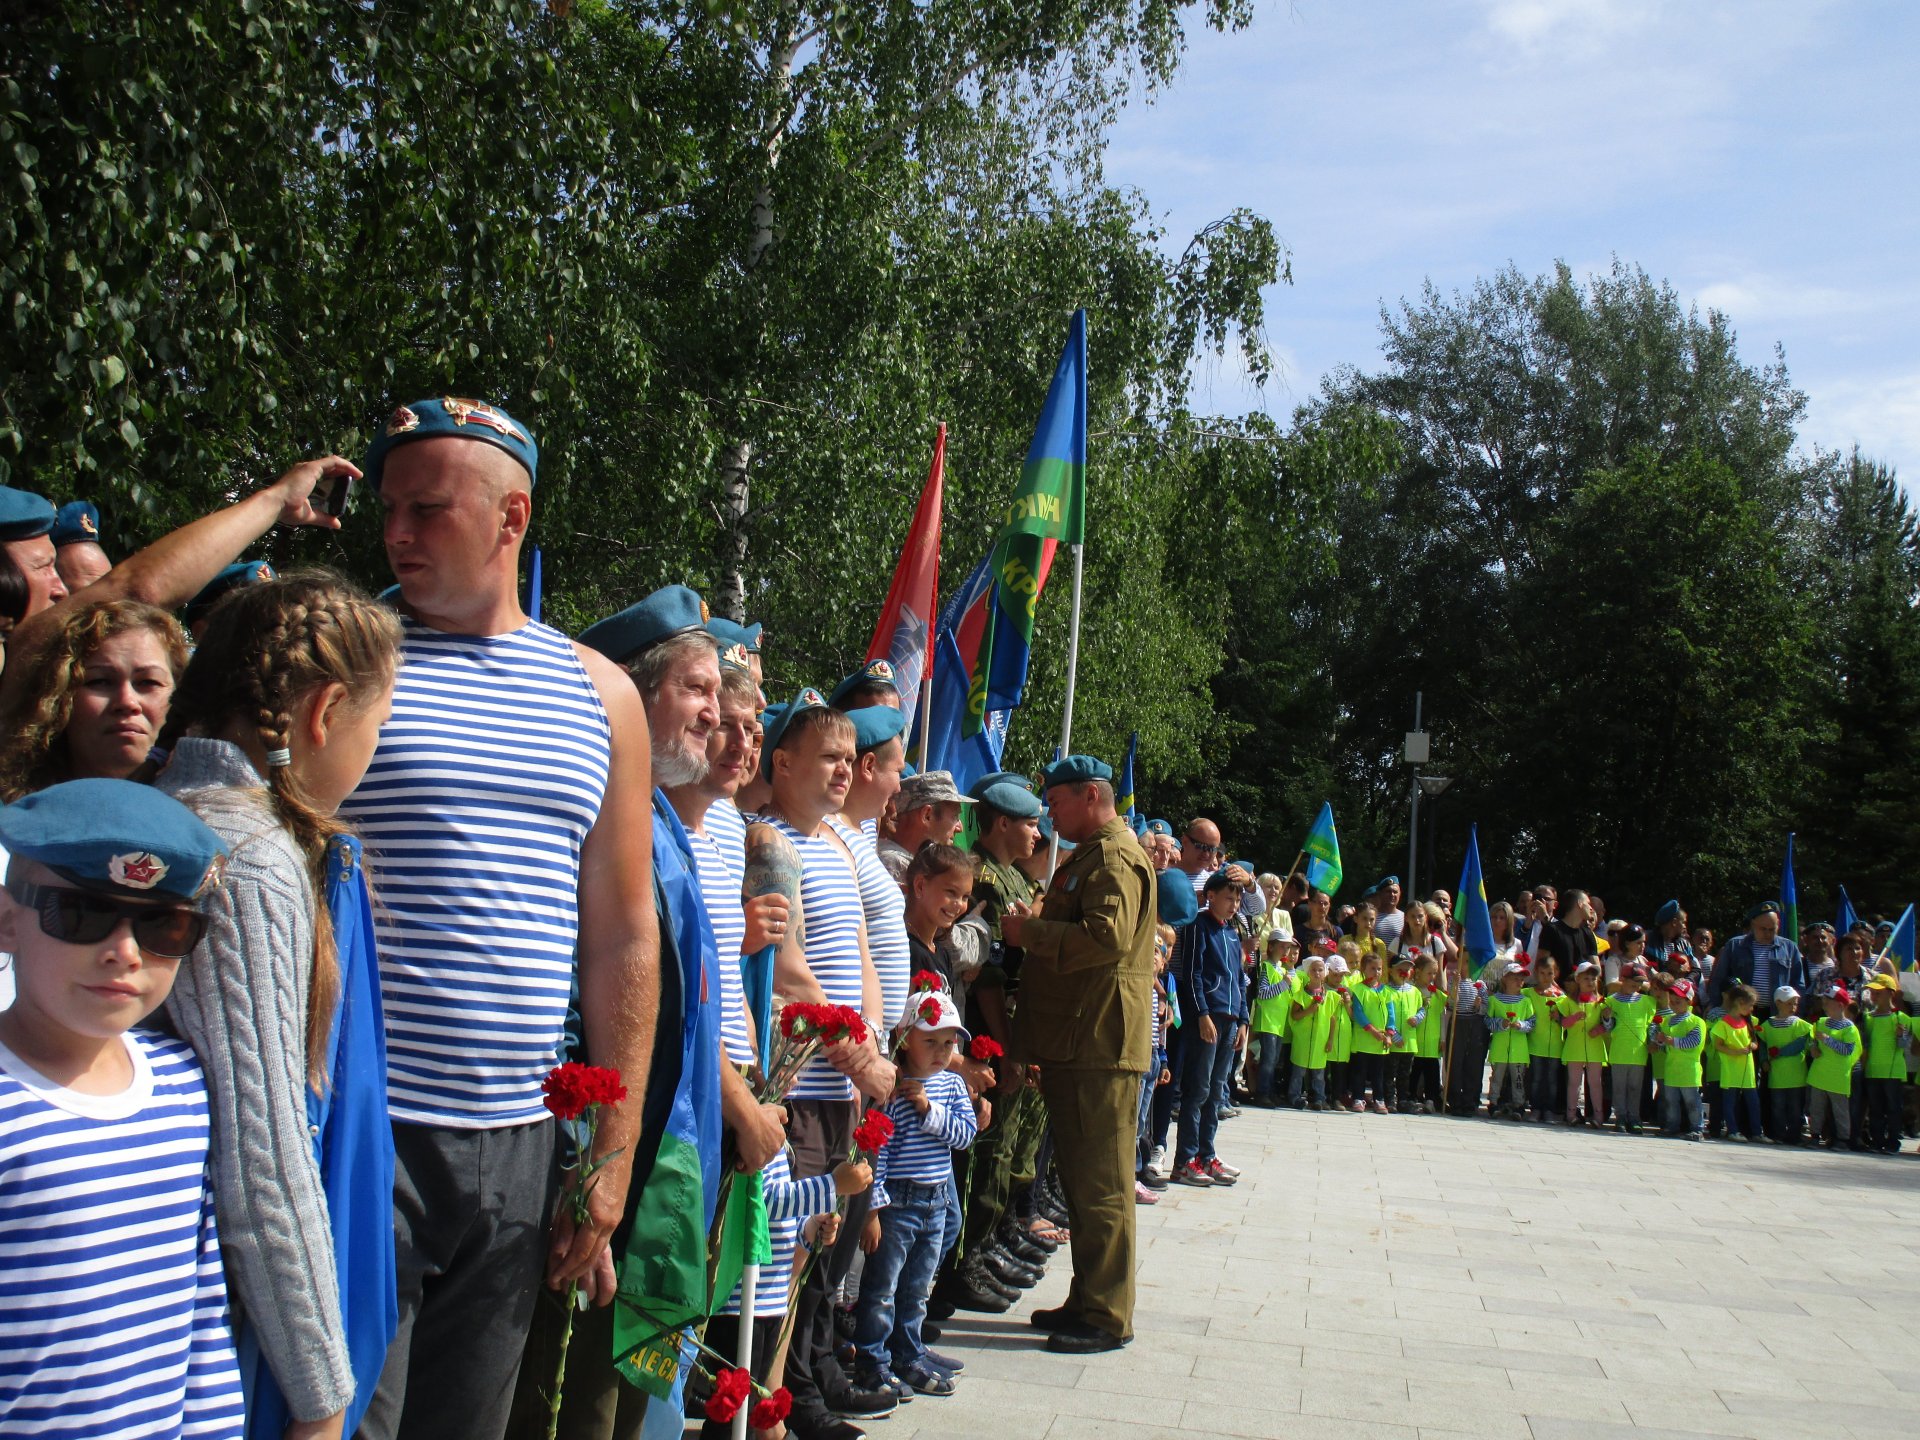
(733, 261)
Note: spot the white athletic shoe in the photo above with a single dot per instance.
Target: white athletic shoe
(1157, 1162)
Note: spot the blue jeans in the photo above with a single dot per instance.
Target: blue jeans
(1272, 1048)
(1204, 1070)
(1304, 1081)
(1682, 1107)
(899, 1275)
(1149, 1082)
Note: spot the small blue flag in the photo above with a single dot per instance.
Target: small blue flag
(1844, 919)
(1322, 847)
(1900, 943)
(1789, 900)
(1123, 794)
(1470, 907)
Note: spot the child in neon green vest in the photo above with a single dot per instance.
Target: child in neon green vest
(1629, 1017)
(1369, 1003)
(1836, 1049)
(1429, 1031)
(1732, 1037)
(1272, 1004)
(1787, 1039)
(1543, 1045)
(1888, 1035)
(1510, 1021)
(1683, 1036)
(1309, 1029)
(1341, 977)
(1401, 1037)
(1583, 1043)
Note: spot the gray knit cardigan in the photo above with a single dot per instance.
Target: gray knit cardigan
(241, 1001)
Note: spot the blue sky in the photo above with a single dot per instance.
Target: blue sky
(1762, 156)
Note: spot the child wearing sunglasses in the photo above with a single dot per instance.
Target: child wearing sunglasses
(105, 1199)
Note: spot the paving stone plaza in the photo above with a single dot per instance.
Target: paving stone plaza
(1401, 1278)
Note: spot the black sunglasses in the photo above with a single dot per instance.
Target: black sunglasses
(79, 917)
(1206, 849)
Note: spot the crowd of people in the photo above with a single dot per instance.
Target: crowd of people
(305, 899)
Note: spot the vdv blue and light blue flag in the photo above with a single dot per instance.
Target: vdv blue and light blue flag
(1470, 908)
(536, 598)
(1844, 918)
(995, 637)
(1322, 848)
(1900, 943)
(1123, 792)
(1789, 897)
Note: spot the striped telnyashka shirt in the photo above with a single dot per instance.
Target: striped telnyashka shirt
(113, 1305)
(885, 904)
(482, 791)
(721, 855)
(830, 902)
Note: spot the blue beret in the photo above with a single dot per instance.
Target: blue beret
(1382, 884)
(729, 633)
(1002, 777)
(775, 719)
(1159, 827)
(23, 515)
(878, 671)
(1176, 904)
(1008, 798)
(450, 415)
(1765, 907)
(76, 523)
(1075, 770)
(1668, 911)
(233, 577)
(733, 656)
(875, 725)
(117, 838)
(669, 611)
(1137, 824)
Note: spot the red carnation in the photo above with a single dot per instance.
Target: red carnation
(873, 1133)
(985, 1047)
(772, 1410)
(731, 1388)
(571, 1088)
(926, 980)
(930, 1011)
(1520, 957)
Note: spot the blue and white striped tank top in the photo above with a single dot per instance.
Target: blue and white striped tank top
(886, 907)
(830, 901)
(485, 784)
(720, 853)
(113, 1305)
(790, 1203)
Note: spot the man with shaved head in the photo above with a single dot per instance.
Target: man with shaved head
(508, 807)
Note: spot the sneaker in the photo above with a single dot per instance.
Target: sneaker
(1191, 1174)
(1151, 1180)
(1157, 1162)
(1229, 1112)
(859, 1403)
(1379, 1108)
(1695, 1135)
(1143, 1196)
(1358, 1107)
(1221, 1173)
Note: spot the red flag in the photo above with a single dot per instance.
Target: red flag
(905, 631)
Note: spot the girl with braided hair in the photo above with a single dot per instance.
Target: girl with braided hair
(274, 723)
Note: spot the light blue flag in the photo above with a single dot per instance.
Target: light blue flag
(1900, 943)
(1322, 847)
(1470, 907)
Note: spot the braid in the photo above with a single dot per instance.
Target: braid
(266, 647)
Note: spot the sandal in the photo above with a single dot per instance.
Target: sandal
(1047, 1232)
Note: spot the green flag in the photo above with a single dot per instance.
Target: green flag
(1322, 847)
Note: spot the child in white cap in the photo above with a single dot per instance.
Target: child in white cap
(905, 1232)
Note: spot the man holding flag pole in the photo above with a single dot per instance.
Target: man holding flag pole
(1465, 1059)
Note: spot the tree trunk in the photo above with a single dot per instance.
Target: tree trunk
(736, 460)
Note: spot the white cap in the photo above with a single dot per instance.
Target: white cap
(1784, 994)
(1584, 966)
(1336, 964)
(944, 1014)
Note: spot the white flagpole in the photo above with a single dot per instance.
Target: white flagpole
(1073, 667)
(743, 1347)
(926, 706)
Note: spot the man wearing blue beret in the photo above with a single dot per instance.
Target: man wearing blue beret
(509, 804)
(76, 544)
(1761, 957)
(1086, 1019)
(872, 684)
(26, 525)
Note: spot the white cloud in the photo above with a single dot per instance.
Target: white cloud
(1879, 413)
(1584, 27)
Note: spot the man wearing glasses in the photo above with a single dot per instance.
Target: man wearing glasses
(1200, 855)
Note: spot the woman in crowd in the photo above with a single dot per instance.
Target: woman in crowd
(274, 724)
(94, 698)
